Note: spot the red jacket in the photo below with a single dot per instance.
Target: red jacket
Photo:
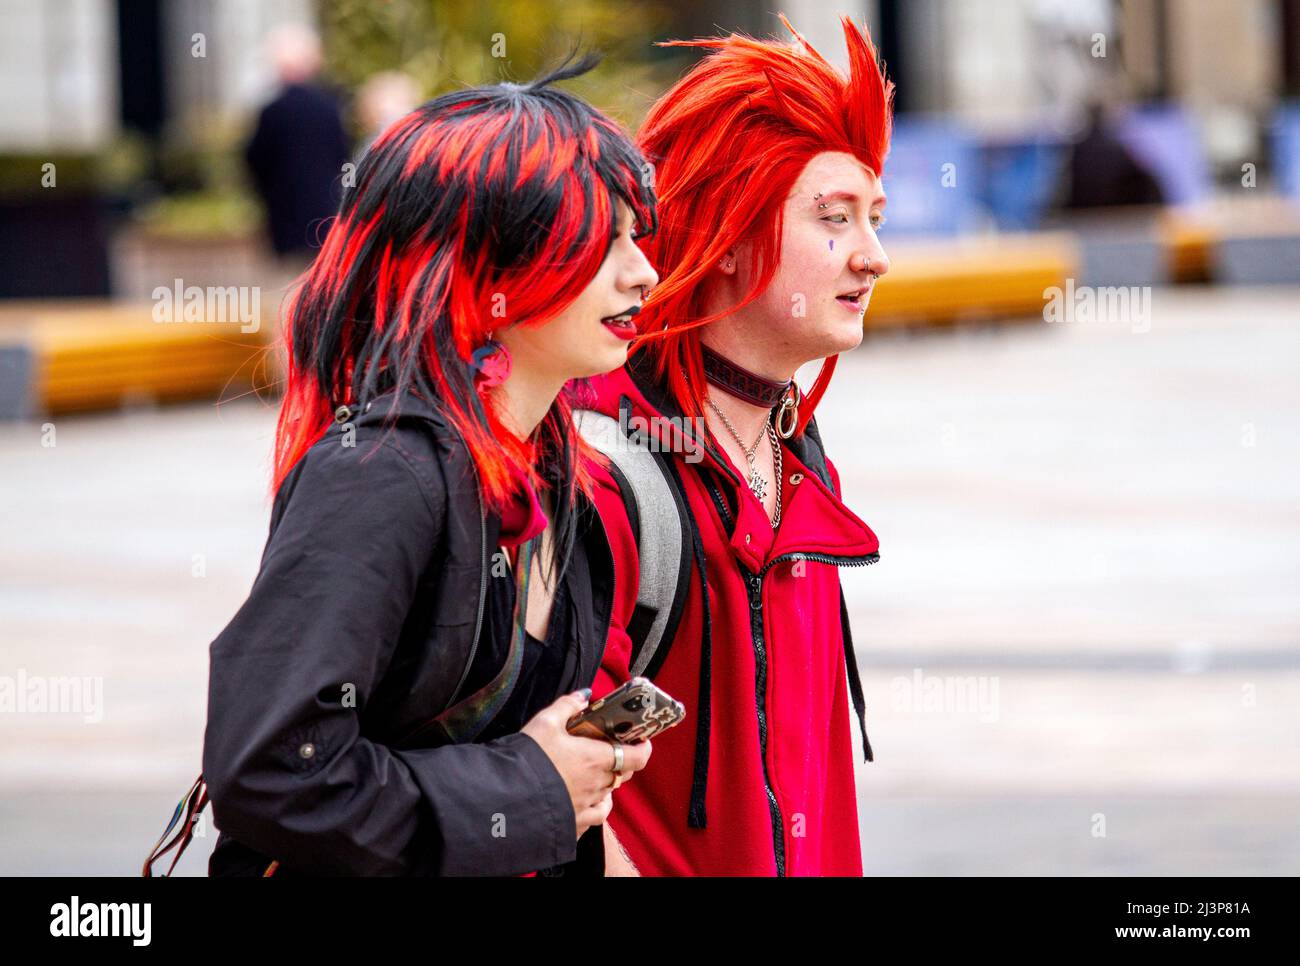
(764, 760)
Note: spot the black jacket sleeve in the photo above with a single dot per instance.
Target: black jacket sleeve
(288, 771)
(257, 155)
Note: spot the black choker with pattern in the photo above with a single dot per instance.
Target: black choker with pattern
(741, 383)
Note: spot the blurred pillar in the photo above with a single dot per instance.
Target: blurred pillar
(58, 75)
(1144, 48)
(1009, 64)
(819, 22)
(1224, 53)
(140, 65)
(913, 41)
(234, 75)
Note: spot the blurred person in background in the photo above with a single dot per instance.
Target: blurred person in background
(767, 168)
(382, 99)
(298, 148)
(1103, 172)
(436, 588)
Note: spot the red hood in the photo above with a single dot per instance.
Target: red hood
(826, 525)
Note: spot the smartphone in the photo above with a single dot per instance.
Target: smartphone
(630, 713)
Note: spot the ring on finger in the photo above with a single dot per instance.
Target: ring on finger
(618, 758)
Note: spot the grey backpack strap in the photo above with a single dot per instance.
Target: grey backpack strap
(656, 509)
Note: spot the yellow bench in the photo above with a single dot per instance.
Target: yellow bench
(942, 281)
(91, 354)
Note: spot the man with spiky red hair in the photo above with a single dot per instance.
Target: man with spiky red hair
(767, 167)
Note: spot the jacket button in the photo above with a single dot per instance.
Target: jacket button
(796, 479)
(307, 750)
(747, 538)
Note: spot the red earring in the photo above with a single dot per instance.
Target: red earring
(490, 364)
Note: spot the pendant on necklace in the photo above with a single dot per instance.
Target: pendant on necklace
(757, 485)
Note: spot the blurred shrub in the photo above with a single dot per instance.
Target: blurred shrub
(207, 213)
(205, 191)
(112, 170)
(445, 44)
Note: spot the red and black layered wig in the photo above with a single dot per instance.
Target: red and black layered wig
(728, 142)
(481, 209)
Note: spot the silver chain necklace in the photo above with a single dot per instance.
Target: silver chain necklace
(757, 485)
(776, 455)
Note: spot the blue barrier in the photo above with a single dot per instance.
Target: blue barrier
(931, 176)
(1286, 149)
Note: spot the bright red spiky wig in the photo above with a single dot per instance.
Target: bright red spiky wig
(728, 142)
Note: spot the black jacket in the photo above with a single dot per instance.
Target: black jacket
(358, 630)
(296, 157)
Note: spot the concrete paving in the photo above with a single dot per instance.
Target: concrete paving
(1081, 646)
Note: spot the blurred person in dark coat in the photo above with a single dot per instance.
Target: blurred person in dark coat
(1102, 171)
(299, 147)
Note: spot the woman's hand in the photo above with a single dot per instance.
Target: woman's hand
(586, 764)
(617, 862)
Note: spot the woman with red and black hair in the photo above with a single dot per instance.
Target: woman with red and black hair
(435, 590)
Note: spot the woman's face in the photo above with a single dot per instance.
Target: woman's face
(588, 338)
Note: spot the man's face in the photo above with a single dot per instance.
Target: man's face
(814, 305)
